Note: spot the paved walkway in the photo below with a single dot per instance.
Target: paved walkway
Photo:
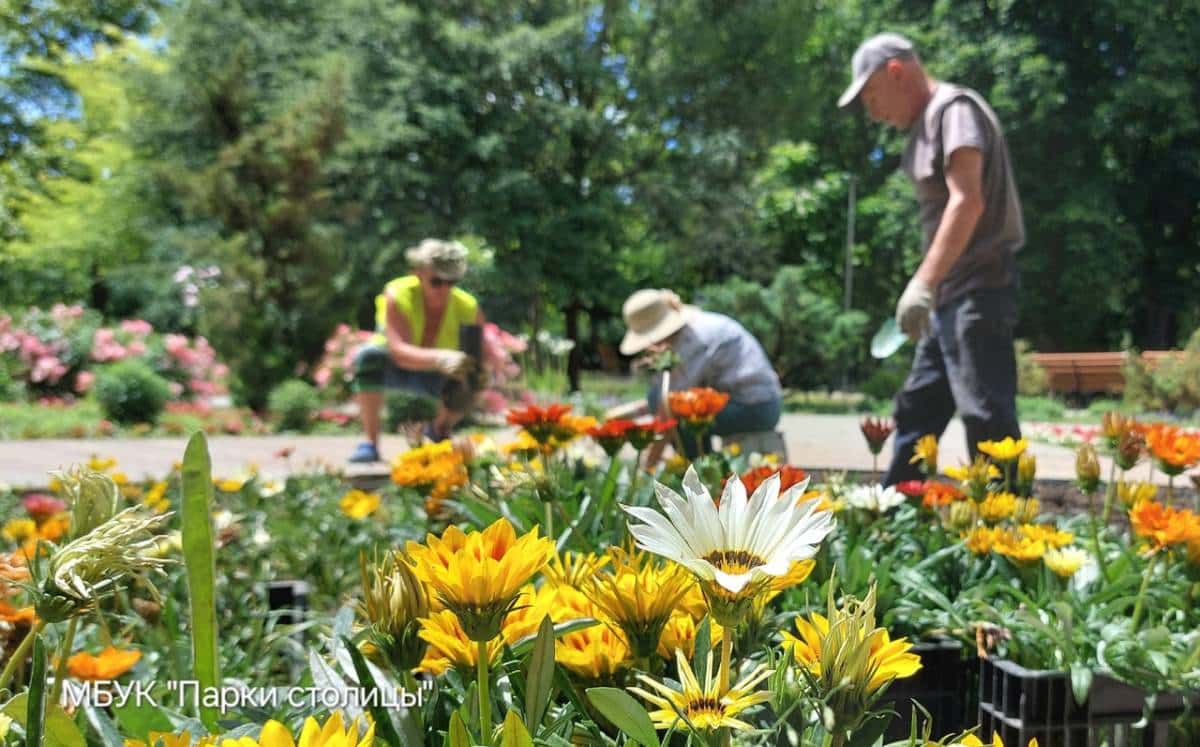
(814, 442)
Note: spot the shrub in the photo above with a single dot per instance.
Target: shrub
(130, 392)
(1170, 385)
(1031, 378)
(408, 407)
(1039, 408)
(294, 403)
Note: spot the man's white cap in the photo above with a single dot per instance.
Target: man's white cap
(869, 57)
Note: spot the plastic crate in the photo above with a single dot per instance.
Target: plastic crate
(944, 686)
(1021, 704)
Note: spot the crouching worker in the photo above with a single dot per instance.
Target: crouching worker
(713, 351)
(416, 345)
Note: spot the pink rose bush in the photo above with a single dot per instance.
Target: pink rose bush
(57, 352)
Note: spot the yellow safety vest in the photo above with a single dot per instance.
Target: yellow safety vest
(461, 308)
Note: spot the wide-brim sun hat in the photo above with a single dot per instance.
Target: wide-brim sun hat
(651, 316)
(447, 259)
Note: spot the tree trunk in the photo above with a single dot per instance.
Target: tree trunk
(573, 358)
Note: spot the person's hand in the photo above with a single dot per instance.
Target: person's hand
(453, 363)
(913, 309)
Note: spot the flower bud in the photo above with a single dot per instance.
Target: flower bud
(1026, 471)
(1087, 468)
(1115, 426)
(1027, 510)
(93, 498)
(1129, 449)
(962, 515)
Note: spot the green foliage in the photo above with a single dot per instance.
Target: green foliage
(808, 337)
(131, 392)
(1040, 408)
(1171, 384)
(294, 403)
(408, 407)
(1031, 378)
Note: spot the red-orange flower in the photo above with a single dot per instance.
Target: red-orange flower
(876, 431)
(541, 422)
(939, 494)
(1164, 526)
(17, 615)
(108, 665)
(788, 476)
(1175, 450)
(698, 405)
(612, 435)
(642, 435)
(912, 488)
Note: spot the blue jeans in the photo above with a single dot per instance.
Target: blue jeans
(735, 417)
(965, 362)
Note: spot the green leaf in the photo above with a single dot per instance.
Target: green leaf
(60, 729)
(35, 712)
(139, 719)
(540, 680)
(702, 647)
(525, 645)
(871, 731)
(1081, 682)
(515, 734)
(104, 726)
(383, 719)
(200, 561)
(625, 713)
(457, 735)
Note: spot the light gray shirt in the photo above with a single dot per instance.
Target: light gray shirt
(715, 351)
(954, 118)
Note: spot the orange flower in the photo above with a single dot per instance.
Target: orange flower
(939, 494)
(542, 423)
(788, 476)
(1164, 526)
(612, 435)
(108, 665)
(54, 528)
(1175, 450)
(642, 435)
(698, 405)
(17, 616)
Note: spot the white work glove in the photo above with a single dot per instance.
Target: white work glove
(453, 363)
(913, 309)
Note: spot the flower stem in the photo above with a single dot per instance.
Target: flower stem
(549, 519)
(485, 701)
(64, 652)
(1170, 490)
(1111, 490)
(723, 675)
(633, 479)
(18, 655)
(610, 485)
(1138, 606)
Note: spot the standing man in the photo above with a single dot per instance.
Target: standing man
(960, 306)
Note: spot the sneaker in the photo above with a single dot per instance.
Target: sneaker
(366, 452)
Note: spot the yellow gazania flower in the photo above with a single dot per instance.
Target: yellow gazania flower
(1004, 451)
(19, 530)
(1133, 493)
(358, 504)
(333, 733)
(706, 707)
(101, 464)
(926, 452)
(533, 605)
(1021, 548)
(638, 595)
(108, 665)
(1027, 510)
(574, 568)
(155, 498)
(1054, 538)
(594, 653)
(980, 471)
(680, 633)
(1065, 562)
(971, 740)
(997, 507)
(55, 527)
(796, 575)
(980, 540)
(229, 484)
(479, 575)
(448, 641)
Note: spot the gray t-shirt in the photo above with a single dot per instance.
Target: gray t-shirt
(715, 351)
(958, 117)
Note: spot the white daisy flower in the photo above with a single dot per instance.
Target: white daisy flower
(744, 543)
(875, 498)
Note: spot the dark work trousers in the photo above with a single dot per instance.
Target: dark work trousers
(965, 362)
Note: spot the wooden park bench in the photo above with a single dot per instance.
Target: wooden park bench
(1091, 373)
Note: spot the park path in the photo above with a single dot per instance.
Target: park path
(814, 442)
